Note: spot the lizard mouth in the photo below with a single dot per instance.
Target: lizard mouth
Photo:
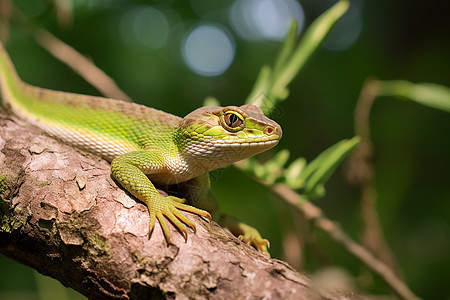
(255, 146)
(249, 143)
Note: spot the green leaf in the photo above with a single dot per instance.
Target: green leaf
(428, 94)
(274, 167)
(259, 170)
(318, 192)
(271, 87)
(287, 49)
(259, 91)
(280, 158)
(292, 173)
(325, 164)
(310, 42)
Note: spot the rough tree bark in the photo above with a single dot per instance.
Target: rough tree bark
(63, 215)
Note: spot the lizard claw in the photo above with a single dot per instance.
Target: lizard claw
(256, 241)
(246, 234)
(169, 208)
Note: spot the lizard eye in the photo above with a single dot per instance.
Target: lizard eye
(232, 122)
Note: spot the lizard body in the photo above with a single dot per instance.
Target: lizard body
(145, 146)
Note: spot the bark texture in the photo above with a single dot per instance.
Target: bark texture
(62, 214)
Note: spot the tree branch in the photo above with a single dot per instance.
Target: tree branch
(62, 214)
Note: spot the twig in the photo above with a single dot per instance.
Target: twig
(73, 59)
(5, 16)
(80, 64)
(362, 173)
(316, 216)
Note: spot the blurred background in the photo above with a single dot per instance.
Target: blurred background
(172, 54)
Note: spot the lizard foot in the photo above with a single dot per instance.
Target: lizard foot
(169, 207)
(253, 238)
(246, 234)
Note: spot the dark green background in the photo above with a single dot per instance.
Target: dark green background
(399, 40)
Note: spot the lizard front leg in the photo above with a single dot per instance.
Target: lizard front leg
(128, 169)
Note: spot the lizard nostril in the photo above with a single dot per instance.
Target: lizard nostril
(268, 130)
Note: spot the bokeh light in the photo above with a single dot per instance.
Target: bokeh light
(146, 25)
(257, 20)
(208, 50)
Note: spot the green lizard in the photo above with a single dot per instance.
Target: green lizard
(145, 146)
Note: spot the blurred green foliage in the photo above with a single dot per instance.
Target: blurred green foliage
(398, 40)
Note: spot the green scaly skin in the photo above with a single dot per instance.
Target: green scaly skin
(145, 146)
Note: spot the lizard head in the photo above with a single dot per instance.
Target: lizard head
(228, 134)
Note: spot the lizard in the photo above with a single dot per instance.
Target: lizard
(146, 147)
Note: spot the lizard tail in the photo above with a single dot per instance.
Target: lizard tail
(10, 82)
